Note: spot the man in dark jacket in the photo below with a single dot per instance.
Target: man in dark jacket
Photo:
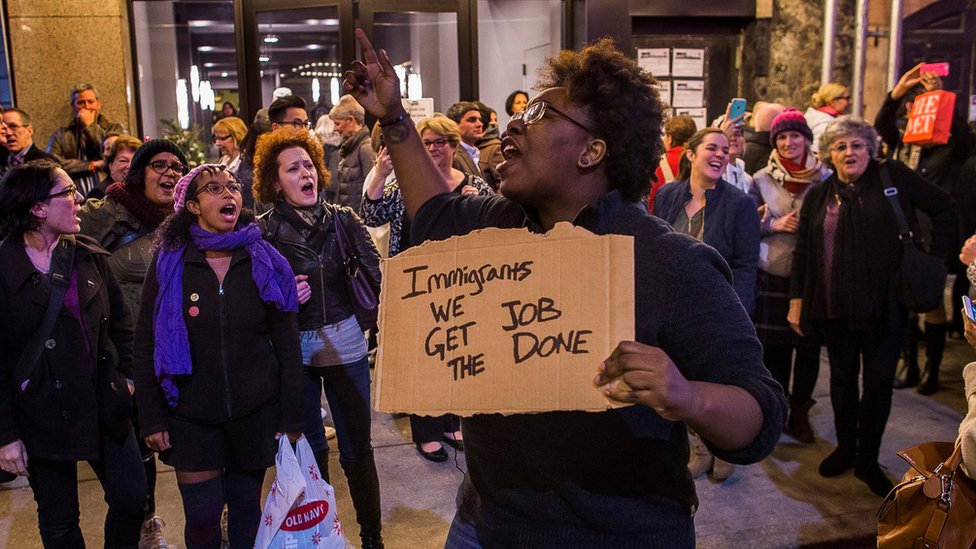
(19, 135)
(78, 145)
(468, 117)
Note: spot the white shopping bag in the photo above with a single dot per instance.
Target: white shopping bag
(300, 510)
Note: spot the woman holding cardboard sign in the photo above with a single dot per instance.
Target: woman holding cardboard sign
(941, 164)
(289, 173)
(568, 479)
(843, 284)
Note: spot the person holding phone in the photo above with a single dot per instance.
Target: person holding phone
(941, 165)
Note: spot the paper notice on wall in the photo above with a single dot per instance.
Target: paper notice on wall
(419, 108)
(688, 93)
(688, 62)
(656, 61)
(972, 108)
(664, 88)
(502, 320)
(700, 116)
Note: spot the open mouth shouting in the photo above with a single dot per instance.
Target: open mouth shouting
(229, 212)
(510, 152)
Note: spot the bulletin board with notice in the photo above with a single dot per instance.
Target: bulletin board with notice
(697, 74)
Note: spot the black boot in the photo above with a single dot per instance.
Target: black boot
(364, 489)
(907, 375)
(322, 460)
(935, 336)
(798, 426)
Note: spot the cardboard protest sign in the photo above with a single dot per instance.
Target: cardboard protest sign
(502, 320)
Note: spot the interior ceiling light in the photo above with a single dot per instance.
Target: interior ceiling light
(271, 39)
(205, 48)
(264, 58)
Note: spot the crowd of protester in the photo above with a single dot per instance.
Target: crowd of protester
(197, 301)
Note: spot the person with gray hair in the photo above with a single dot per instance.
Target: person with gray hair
(78, 144)
(843, 284)
(355, 152)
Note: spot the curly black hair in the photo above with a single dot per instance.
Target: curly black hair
(624, 107)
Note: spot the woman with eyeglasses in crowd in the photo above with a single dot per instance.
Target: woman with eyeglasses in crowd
(72, 402)
(217, 356)
(228, 133)
(384, 204)
(289, 173)
(123, 223)
(843, 285)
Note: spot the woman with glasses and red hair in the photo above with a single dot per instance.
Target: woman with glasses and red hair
(64, 377)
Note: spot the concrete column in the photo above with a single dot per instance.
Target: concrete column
(55, 44)
(829, 32)
(860, 44)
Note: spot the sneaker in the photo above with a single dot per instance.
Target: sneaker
(151, 535)
(330, 432)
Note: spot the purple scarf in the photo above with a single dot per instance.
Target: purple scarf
(271, 273)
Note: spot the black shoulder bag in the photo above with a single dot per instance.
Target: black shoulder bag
(921, 276)
(62, 261)
(365, 302)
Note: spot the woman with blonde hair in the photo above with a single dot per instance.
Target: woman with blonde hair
(830, 101)
(227, 135)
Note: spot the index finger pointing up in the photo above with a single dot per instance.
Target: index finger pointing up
(369, 54)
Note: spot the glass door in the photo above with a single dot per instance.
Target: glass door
(296, 47)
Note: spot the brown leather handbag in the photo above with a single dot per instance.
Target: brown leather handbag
(934, 506)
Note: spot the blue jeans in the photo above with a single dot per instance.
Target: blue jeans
(123, 479)
(462, 534)
(347, 390)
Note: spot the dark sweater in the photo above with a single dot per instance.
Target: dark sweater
(618, 478)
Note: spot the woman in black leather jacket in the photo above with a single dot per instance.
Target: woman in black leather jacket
(288, 172)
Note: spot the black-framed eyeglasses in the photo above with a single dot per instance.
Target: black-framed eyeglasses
(537, 110)
(67, 191)
(217, 138)
(162, 166)
(438, 143)
(307, 124)
(217, 189)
